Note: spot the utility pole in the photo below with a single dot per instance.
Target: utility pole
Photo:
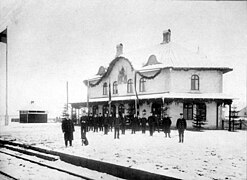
(3, 39)
(67, 92)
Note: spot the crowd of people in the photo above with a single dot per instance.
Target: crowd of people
(119, 123)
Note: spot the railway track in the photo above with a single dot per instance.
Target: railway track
(94, 169)
(15, 159)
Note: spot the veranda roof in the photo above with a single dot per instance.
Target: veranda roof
(165, 95)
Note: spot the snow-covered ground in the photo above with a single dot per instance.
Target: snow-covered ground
(212, 154)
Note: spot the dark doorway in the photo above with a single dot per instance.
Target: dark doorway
(156, 108)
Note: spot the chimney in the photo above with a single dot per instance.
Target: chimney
(166, 36)
(119, 49)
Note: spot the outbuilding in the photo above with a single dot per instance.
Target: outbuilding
(33, 114)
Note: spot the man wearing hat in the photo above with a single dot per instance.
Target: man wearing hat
(68, 129)
(151, 122)
(117, 124)
(143, 121)
(181, 126)
(167, 125)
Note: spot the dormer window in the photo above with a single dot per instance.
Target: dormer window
(142, 85)
(105, 88)
(194, 82)
(130, 86)
(115, 89)
(152, 60)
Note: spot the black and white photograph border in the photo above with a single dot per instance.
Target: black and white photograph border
(74, 72)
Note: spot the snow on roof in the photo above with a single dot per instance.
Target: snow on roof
(198, 96)
(170, 55)
(167, 95)
(32, 107)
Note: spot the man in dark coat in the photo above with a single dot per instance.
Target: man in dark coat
(117, 123)
(157, 122)
(181, 126)
(134, 122)
(101, 121)
(95, 123)
(110, 121)
(151, 122)
(90, 122)
(84, 130)
(167, 125)
(106, 124)
(68, 129)
(143, 122)
(123, 123)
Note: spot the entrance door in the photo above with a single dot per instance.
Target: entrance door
(156, 108)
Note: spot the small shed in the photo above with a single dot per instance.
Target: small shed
(33, 114)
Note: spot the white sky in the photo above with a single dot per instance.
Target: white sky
(54, 41)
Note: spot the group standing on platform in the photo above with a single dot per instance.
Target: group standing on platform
(106, 123)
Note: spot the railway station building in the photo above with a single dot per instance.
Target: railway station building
(163, 79)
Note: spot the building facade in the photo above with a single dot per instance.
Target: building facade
(164, 79)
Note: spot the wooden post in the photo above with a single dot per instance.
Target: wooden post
(88, 98)
(217, 116)
(6, 115)
(230, 112)
(67, 92)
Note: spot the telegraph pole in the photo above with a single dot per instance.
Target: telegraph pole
(67, 92)
(7, 115)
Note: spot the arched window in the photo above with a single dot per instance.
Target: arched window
(142, 85)
(105, 88)
(115, 90)
(130, 86)
(194, 82)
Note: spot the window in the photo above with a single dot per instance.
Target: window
(130, 86)
(200, 111)
(194, 82)
(191, 110)
(115, 90)
(188, 111)
(105, 88)
(142, 85)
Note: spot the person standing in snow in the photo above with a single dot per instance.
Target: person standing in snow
(83, 122)
(106, 124)
(68, 129)
(157, 122)
(167, 125)
(95, 123)
(151, 122)
(101, 121)
(134, 122)
(181, 126)
(143, 121)
(116, 126)
(123, 122)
